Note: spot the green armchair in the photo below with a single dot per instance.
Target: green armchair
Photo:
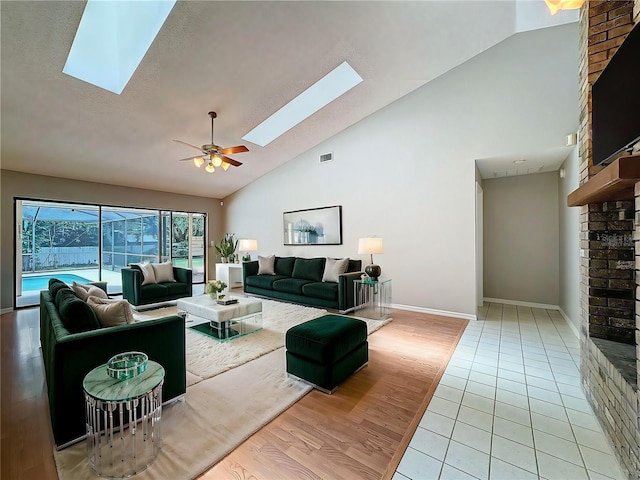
(137, 294)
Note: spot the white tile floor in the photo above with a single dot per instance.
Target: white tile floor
(510, 406)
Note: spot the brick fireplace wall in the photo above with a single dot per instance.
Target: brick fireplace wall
(610, 257)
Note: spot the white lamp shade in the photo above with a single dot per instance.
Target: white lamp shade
(370, 245)
(247, 245)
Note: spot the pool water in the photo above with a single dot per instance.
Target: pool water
(41, 282)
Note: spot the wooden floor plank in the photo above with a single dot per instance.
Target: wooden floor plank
(360, 431)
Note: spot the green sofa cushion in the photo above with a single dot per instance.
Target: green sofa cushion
(176, 288)
(55, 286)
(309, 269)
(326, 339)
(263, 281)
(284, 266)
(290, 285)
(76, 315)
(328, 290)
(153, 290)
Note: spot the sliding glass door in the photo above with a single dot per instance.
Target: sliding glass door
(82, 243)
(187, 242)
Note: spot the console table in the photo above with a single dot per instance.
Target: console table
(229, 273)
(373, 298)
(123, 420)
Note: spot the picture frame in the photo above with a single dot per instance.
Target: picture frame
(313, 226)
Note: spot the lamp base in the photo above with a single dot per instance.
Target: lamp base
(373, 271)
(246, 257)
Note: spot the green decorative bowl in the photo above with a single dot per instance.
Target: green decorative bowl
(127, 365)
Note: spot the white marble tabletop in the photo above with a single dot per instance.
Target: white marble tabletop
(206, 307)
(100, 385)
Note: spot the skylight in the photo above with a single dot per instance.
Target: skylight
(337, 82)
(112, 39)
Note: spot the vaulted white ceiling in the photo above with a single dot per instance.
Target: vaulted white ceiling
(244, 60)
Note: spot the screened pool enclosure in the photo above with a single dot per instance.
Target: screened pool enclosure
(94, 242)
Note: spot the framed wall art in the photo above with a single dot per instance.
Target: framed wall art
(314, 226)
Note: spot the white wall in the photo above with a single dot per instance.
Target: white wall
(407, 172)
(569, 242)
(521, 238)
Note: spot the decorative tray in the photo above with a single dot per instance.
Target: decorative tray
(127, 365)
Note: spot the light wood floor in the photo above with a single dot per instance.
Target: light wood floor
(361, 431)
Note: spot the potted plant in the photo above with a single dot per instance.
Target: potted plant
(227, 247)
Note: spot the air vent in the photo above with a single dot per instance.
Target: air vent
(326, 157)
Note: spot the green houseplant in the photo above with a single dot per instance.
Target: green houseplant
(227, 247)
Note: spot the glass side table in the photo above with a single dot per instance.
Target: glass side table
(123, 420)
(373, 298)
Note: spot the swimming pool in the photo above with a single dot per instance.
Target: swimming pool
(41, 282)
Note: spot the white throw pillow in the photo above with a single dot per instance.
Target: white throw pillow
(111, 312)
(85, 291)
(148, 273)
(334, 267)
(163, 272)
(266, 265)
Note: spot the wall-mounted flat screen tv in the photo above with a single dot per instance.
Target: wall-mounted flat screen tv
(615, 98)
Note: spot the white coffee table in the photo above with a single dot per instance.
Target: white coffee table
(226, 321)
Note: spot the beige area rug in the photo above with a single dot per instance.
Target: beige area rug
(242, 392)
(207, 357)
(216, 416)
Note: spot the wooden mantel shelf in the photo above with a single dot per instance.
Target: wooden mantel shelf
(614, 182)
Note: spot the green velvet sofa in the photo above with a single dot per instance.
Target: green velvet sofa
(69, 355)
(137, 294)
(299, 280)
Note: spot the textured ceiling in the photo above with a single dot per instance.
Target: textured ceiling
(242, 59)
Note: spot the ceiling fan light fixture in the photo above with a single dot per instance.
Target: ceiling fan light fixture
(225, 166)
(198, 161)
(210, 168)
(216, 160)
(555, 5)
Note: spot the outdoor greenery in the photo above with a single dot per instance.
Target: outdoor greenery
(180, 232)
(49, 234)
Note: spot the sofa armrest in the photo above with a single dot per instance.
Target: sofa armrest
(346, 295)
(131, 284)
(249, 269)
(183, 275)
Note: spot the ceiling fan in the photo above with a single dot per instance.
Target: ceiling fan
(217, 155)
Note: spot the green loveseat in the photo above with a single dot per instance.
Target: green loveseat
(299, 280)
(137, 294)
(69, 356)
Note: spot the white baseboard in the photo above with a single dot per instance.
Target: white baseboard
(570, 323)
(522, 304)
(6, 310)
(433, 311)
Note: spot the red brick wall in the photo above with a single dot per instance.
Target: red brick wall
(603, 27)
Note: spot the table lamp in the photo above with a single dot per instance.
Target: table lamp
(248, 246)
(371, 245)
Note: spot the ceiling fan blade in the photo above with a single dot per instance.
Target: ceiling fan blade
(232, 150)
(189, 145)
(231, 161)
(189, 158)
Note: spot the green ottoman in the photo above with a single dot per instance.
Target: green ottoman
(325, 351)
